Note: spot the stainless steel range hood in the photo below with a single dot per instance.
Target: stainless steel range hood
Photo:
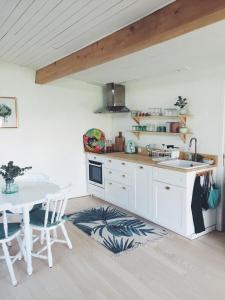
(113, 99)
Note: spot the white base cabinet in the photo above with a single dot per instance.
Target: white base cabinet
(119, 183)
(160, 195)
(169, 206)
(118, 194)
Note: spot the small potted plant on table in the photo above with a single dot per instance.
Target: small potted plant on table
(9, 172)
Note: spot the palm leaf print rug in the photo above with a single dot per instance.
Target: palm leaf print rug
(115, 229)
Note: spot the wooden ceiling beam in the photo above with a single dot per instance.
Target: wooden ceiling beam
(182, 16)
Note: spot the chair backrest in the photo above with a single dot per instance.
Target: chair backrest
(3, 215)
(55, 206)
(33, 177)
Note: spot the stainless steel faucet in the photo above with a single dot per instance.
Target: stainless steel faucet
(190, 144)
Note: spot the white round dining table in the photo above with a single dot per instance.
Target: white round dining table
(22, 202)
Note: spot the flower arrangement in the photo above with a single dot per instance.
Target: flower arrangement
(181, 102)
(9, 171)
(5, 112)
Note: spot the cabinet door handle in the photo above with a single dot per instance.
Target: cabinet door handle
(110, 172)
(95, 157)
(123, 163)
(141, 167)
(123, 176)
(110, 160)
(167, 188)
(123, 188)
(110, 183)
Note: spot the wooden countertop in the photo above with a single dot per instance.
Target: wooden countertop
(146, 160)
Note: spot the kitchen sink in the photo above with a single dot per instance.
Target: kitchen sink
(183, 164)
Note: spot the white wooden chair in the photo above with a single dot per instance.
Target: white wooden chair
(8, 232)
(33, 177)
(47, 220)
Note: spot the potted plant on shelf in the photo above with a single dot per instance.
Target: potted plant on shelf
(9, 172)
(181, 104)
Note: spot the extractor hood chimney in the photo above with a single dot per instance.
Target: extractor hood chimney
(113, 99)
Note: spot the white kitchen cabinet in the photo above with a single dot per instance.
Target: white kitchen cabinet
(119, 194)
(169, 206)
(143, 191)
(160, 195)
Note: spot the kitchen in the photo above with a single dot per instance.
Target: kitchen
(134, 227)
(155, 183)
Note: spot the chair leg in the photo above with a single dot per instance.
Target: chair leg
(55, 234)
(69, 244)
(42, 237)
(9, 264)
(21, 246)
(31, 239)
(48, 241)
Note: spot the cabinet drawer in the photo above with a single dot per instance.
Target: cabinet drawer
(170, 177)
(96, 191)
(118, 176)
(95, 157)
(117, 164)
(117, 193)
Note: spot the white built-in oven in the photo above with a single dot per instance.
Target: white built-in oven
(95, 173)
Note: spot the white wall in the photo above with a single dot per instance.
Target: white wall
(52, 120)
(205, 94)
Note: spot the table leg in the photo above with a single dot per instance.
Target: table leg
(27, 237)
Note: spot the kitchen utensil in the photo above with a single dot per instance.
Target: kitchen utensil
(119, 142)
(161, 155)
(150, 148)
(175, 127)
(183, 129)
(130, 147)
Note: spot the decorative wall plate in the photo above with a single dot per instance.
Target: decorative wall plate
(94, 140)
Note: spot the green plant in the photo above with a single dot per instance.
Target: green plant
(5, 111)
(9, 171)
(181, 102)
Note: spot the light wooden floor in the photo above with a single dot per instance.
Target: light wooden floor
(173, 268)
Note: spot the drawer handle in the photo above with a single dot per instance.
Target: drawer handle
(123, 176)
(167, 188)
(124, 188)
(123, 163)
(110, 172)
(141, 167)
(110, 160)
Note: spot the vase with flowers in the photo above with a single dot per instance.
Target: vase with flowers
(9, 172)
(181, 105)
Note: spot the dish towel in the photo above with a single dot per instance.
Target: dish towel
(196, 206)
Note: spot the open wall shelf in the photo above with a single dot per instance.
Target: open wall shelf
(183, 136)
(182, 119)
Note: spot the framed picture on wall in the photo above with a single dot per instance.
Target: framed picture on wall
(8, 112)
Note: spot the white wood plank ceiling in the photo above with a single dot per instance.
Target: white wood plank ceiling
(35, 33)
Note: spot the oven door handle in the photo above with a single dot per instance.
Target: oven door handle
(95, 165)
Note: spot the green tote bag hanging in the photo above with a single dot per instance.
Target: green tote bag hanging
(214, 195)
